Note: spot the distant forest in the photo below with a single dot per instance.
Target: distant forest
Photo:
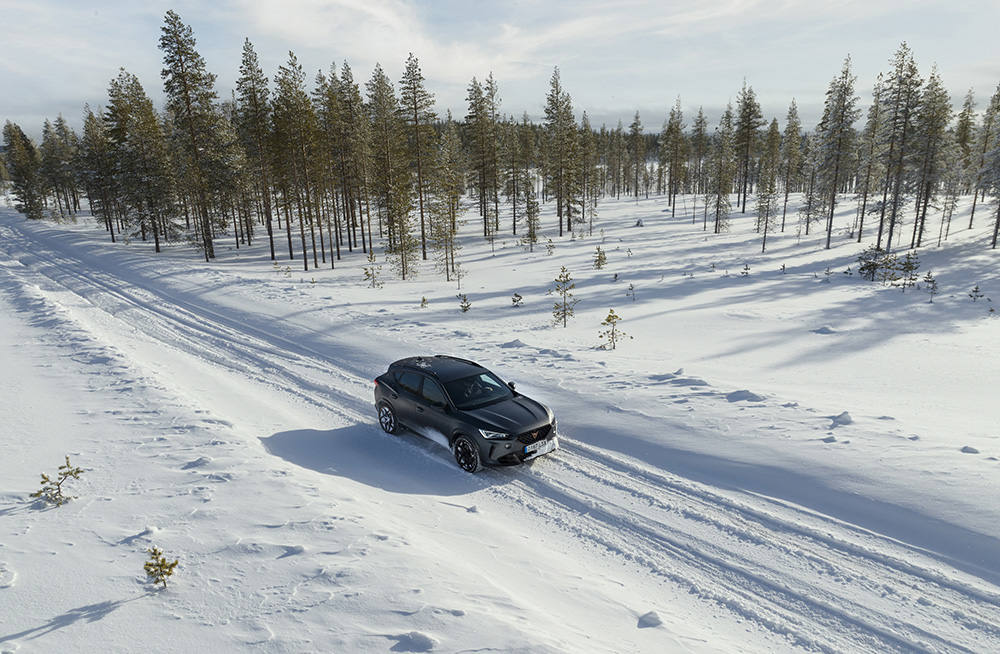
(329, 169)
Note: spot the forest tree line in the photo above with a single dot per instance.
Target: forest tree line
(332, 167)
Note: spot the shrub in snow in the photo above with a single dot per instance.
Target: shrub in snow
(930, 285)
(51, 491)
(746, 270)
(157, 567)
(600, 259)
(550, 247)
(630, 291)
(975, 293)
(423, 302)
(612, 334)
(463, 302)
(516, 299)
(372, 271)
(908, 270)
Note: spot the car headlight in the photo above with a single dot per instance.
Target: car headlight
(493, 435)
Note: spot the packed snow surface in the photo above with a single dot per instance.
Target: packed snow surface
(786, 460)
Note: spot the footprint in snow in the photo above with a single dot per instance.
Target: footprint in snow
(7, 575)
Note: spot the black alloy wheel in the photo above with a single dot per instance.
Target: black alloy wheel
(387, 419)
(467, 454)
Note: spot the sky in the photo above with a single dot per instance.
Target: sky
(615, 57)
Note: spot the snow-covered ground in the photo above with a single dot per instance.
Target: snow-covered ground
(711, 495)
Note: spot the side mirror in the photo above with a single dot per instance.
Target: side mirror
(511, 384)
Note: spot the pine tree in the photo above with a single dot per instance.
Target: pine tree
(699, 153)
(722, 170)
(142, 165)
(560, 130)
(24, 168)
(791, 155)
(673, 153)
(600, 258)
(96, 170)
(748, 120)
(835, 138)
(902, 97)
(965, 132)
(612, 334)
(767, 190)
(157, 568)
(254, 122)
(447, 185)
(637, 152)
(296, 130)
(930, 148)
(870, 163)
(418, 103)
(813, 204)
(589, 174)
(562, 310)
(988, 134)
(391, 177)
(191, 96)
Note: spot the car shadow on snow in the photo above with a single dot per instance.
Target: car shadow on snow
(407, 463)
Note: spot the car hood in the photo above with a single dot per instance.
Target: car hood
(514, 415)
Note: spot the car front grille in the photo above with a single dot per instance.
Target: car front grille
(535, 434)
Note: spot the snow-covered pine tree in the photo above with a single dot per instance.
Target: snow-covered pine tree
(96, 170)
(560, 149)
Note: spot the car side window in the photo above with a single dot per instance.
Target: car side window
(433, 394)
(409, 382)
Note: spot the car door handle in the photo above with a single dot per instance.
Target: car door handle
(420, 409)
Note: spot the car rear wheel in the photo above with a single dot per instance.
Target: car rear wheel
(467, 454)
(387, 419)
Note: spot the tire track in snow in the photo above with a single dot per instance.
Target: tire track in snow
(604, 512)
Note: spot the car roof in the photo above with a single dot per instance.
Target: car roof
(446, 368)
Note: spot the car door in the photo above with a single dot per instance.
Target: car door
(432, 409)
(408, 382)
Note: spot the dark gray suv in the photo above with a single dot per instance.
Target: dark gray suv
(483, 420)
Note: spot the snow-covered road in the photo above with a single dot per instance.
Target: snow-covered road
(571, 553)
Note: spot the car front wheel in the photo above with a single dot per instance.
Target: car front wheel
(387, 419)
(467, 454)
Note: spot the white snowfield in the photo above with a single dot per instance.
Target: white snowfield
(782, 461)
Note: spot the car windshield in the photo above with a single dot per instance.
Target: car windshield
(477, 390)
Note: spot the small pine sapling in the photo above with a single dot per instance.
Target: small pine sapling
(600, 259)
(612, 334)
(550, 247)
(423, 302)
(516, 299)
(746, 270)
(782, 269)
(931, 286)
(51, 491)
(628, 252)
(908, 268)
(463, 302)
(827, 272)
(157, 567)
(630, 291)
(975, 293)
(562, 310)
(373, 271)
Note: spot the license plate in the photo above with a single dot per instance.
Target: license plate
(541, 447)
